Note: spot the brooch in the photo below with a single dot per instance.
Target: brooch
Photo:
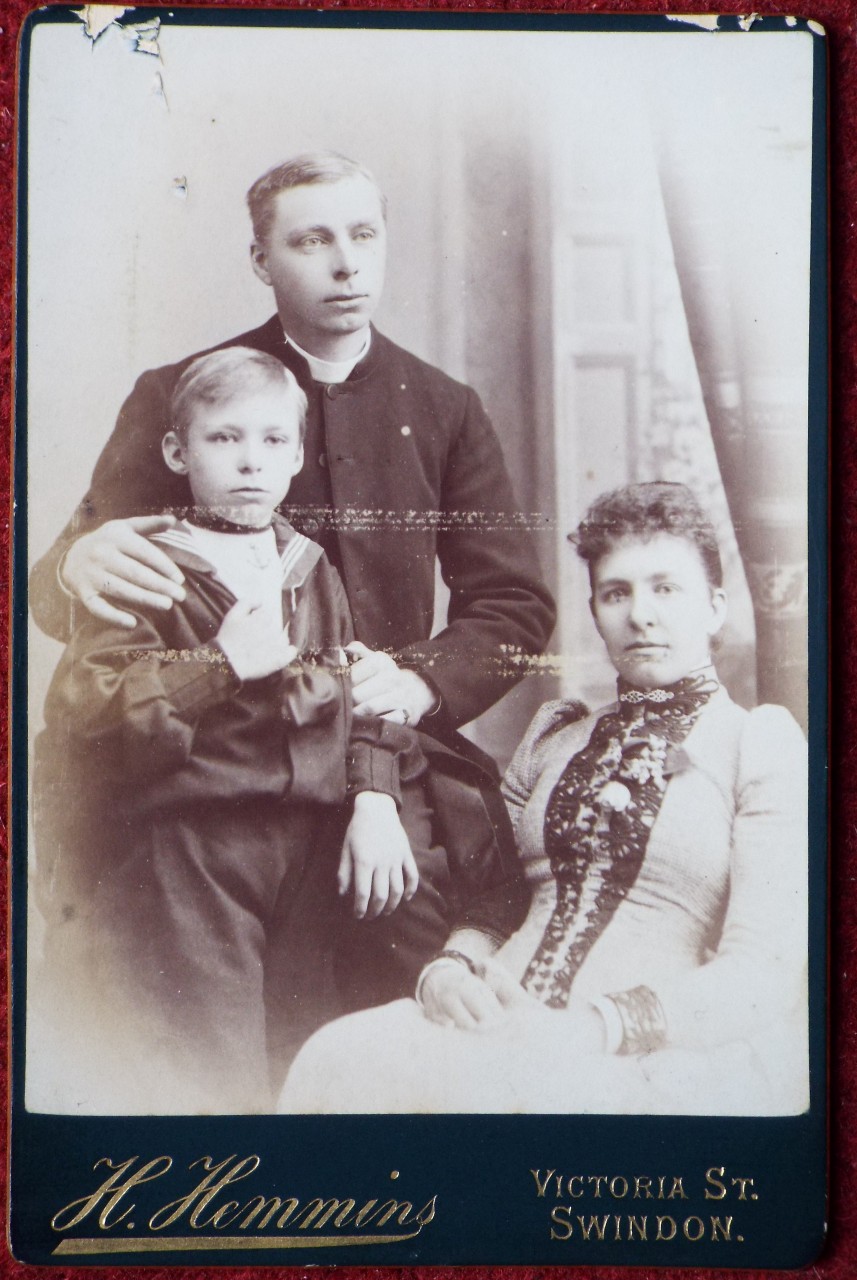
(615, 796)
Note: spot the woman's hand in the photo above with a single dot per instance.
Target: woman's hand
(454, 997)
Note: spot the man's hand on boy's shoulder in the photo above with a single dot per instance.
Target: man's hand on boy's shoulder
(376, 857)
(116, 565)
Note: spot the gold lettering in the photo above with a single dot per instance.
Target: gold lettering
(598, 1179)
(293, 1208)
(254, 1207)
(542, 1186)
(561, 1215)
(575, 1195)
(717, 1226)
(642, 1187)
(593, 1226)
(686, 1229)
(327, 1208)
(618, 1181)
(670, 1223)
(426, 1214)
(637, 1226)
(224, 1215)
(364, 1212)
(391, 1208)
(242, 1169)
(677, 1189)
(154, 1169)
(742, 1184)
(712, 1177)
(171, 1212)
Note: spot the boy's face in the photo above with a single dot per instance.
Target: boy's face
(240, 454)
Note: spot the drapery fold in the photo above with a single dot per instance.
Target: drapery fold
(741, 257)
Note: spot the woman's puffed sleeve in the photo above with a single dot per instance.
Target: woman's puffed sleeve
(756, 976)
(527, 762)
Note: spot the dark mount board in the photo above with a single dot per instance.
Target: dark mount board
(491, 1189)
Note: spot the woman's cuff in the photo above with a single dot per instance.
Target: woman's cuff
(635, 1021)
(455, 958)
(613, 1029)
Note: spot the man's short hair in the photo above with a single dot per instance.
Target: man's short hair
(223, 375)
(302, 170)
(643, 511)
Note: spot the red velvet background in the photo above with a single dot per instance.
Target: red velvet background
(839, 1258)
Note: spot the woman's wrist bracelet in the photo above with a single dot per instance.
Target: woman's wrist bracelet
(460, 958)
(643, 1021)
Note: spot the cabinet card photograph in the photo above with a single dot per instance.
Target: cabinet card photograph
(421, 437)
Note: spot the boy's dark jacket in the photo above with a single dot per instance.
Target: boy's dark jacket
(402, 468)
(146, 720)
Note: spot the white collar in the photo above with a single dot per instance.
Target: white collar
(331, 370)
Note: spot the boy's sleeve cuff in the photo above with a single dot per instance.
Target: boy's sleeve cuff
(371, 768)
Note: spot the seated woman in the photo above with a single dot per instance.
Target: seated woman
(660, 968)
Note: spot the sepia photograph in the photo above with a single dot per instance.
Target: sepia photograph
(417, 523)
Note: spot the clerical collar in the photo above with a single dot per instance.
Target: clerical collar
(219, 524)
(331, 370)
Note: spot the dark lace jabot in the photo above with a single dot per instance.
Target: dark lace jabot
(599, 818)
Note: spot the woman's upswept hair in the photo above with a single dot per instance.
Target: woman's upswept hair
(224, 375)
(642, 511)
(300, 171)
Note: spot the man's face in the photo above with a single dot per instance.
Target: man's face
(324, 257)
(240, 454)
(655, 610)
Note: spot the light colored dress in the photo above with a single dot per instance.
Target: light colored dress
(712, 921)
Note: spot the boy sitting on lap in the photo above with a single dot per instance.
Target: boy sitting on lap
(191, 785)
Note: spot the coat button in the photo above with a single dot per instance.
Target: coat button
(332, 391)
(311, 526)
(322, 459)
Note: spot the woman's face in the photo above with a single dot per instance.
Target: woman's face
(654, 609)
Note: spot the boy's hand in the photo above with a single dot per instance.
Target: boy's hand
(118, 561)
(376, 857)
(254, 643)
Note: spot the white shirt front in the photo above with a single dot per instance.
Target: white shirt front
(248, 563)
